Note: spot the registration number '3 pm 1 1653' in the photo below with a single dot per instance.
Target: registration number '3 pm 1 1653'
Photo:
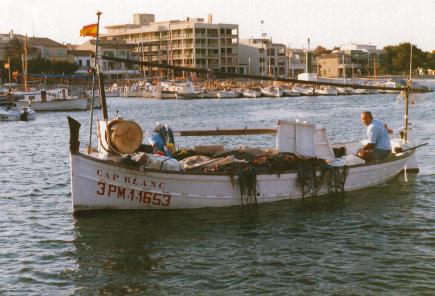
(144, 197)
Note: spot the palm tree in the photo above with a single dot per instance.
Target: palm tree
(15, 51)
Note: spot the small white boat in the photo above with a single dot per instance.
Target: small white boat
(290, 92)
(326, 91)
(113, 91)
(361, 91)
(186, 90)
(344, 91)
(252, 93)
(272, 91)
(101, 180)
(394, 83)
(210, 94)
(227, 94)
(304, 90)
(165, 94)
(51, 100)
(13, 113)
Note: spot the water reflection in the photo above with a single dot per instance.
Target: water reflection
(149, 251)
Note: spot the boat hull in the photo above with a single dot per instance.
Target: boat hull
(55, 105)
(252, 94)
(15, 114)
(98, 184)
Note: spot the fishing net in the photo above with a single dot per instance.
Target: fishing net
(336, 177)
(312, 172)
(307, 178)
(247, 179)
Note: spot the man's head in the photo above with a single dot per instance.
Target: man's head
(366, 118)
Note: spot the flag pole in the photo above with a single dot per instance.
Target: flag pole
(93, 83)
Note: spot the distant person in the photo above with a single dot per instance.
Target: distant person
(379, 146)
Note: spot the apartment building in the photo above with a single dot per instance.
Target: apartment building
(262, 57)
(41, 47)
(83, 59)
(296, 61)
(366, 56)
(189, 43)
(336, 65)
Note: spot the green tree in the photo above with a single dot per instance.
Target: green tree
(399, 57)
(320, 50)
(15, 51)
(41, 65)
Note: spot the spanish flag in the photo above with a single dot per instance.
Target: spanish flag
(89, 30)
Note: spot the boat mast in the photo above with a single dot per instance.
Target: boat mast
(407, 91)
(93, 82)
(24, 61)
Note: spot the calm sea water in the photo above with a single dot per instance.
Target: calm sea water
(379, 240)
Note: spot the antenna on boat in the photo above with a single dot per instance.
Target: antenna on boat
(93, 82)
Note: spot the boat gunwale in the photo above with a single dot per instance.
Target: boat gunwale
(172, 172)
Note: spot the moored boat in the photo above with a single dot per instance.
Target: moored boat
(227, 94)
(252, 93)
(326, 91)
(51, 100)
(272, 91)
(304, 90)
(14, 113)
(290, 92)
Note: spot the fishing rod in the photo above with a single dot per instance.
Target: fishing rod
(248, 76)
(412, 148)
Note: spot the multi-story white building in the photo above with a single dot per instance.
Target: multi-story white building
(262, 57)
(189, 43)
(296, 61)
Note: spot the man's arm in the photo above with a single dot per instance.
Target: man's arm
(389, 130)
(369, 146)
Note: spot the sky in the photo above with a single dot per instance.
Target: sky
(326, 22)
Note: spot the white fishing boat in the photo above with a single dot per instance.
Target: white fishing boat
(304, 90)
(227, 94)
(13, 113)
(121, 173)
(209, 94)
(290, 92)
(252, 93)
(326, 91)
(186, 90)
(133, 91)
(272, 91)
(361, 91)
(51, 100)
(344, 91)
(100, 180)
(113, 91)
(394, 83)
(165, 94)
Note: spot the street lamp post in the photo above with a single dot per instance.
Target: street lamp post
(8, 66)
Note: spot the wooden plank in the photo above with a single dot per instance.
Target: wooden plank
(225, 132)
